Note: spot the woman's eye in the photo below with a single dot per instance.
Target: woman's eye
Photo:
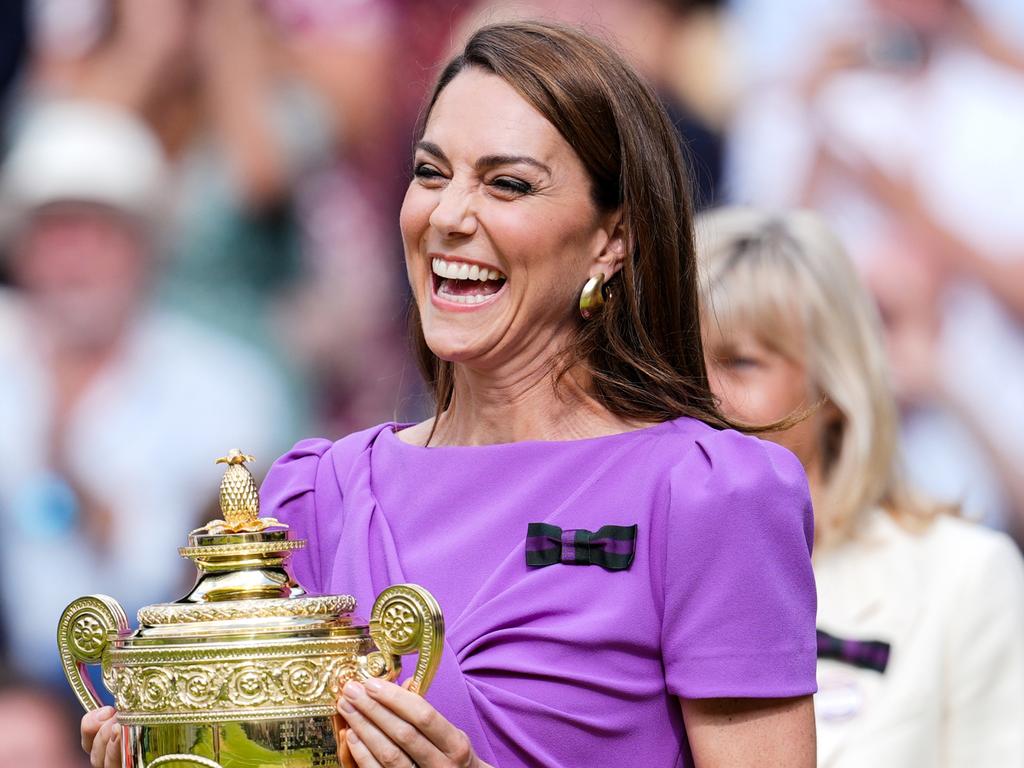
(426, 171)
(736, 362)
(509, 184)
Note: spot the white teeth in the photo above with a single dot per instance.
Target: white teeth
(460, 270)
(461, 299)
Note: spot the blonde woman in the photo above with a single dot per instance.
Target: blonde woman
(920, 613)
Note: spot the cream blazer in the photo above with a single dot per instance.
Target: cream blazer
(951, 603)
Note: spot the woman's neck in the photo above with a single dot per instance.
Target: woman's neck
(491, 407)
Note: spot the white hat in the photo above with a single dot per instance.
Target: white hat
(80, 151)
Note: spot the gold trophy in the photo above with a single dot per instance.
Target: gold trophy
(246, 669)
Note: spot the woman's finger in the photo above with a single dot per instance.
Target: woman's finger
(91, 722)
(366, 729)
(402, 733)
(113, 756)
(360, 752)
(98, 753)
(417, 711)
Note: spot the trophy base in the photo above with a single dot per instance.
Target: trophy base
(288, 743)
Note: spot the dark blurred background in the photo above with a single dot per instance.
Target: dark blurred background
(199, 247)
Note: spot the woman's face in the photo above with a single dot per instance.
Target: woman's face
(758, 385)
(499, 228)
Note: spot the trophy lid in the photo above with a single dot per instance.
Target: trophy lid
(242, 584)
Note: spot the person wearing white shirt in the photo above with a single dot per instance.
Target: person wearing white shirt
(920, 613)
(112, 410)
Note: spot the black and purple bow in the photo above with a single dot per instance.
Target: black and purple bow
(867, 654)
(611, 546)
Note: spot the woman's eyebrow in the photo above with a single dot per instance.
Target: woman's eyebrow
(490, 161)
(432, 149)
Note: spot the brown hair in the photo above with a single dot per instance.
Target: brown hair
(643, 350)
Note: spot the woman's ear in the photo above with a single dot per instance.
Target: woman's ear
(613, 254)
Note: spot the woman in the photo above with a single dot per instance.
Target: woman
(544, 168)
(937, 603)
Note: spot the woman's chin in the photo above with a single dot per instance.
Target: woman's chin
(455, 353)
(459, 337)
(457, 348)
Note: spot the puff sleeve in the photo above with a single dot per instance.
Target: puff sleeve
(293, 492)
(739, 594)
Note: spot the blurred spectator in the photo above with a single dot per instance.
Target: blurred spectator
(287, 123)
(112, 409)
(901, 121)
(38, 727)
(920, 613)
(238, 126)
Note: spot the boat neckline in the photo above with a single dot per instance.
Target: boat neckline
(393, 428)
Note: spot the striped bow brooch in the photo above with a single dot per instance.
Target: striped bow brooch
(611, 546)
(866, 654)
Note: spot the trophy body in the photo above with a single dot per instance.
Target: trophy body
(246, 669)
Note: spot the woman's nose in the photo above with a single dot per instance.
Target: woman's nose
(453, 215)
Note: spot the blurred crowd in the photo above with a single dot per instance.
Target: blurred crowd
(199, 246)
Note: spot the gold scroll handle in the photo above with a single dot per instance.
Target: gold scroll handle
(85, 630)
(407, 619)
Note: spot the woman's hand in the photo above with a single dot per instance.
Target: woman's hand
(101, 738)
(390, 727)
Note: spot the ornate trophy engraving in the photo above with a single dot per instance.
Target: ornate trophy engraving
(246, 669)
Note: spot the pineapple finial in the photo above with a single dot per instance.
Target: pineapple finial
(235, 456)
(239, 498)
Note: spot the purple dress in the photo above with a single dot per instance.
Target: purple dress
(569, 664)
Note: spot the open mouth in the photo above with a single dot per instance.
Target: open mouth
(462, 283)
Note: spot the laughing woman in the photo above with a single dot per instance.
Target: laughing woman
(556, 320)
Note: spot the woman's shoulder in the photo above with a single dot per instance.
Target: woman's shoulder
(947, 540)
(725, 483)
(977, 575)
(967, 546)
(297, 471)
(954, 556)
(724, 461)
(352, 443)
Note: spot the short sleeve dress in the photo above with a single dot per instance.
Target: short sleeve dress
(569, 664)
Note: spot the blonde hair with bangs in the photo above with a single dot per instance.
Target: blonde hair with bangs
(786, 278)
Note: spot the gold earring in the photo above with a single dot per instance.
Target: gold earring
(592, 297)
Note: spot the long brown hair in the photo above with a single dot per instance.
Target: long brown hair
(643, 350)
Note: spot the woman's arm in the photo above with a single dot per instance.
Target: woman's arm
(750, 733)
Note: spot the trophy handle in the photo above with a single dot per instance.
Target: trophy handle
(83, 634)
(407, 619)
